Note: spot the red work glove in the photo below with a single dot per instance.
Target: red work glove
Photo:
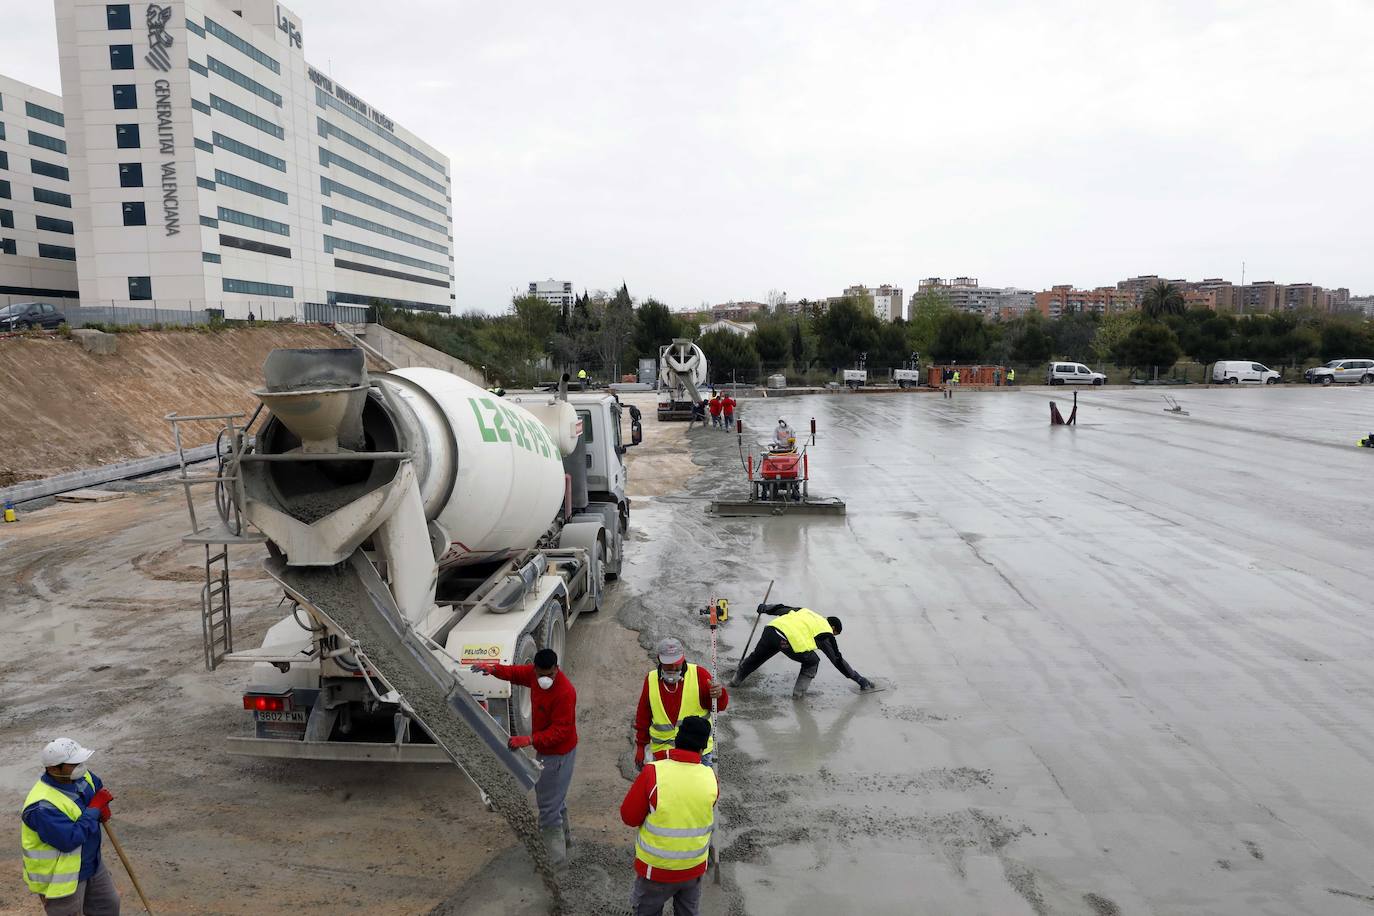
(518, 741)
(639, 757)
(101, 800)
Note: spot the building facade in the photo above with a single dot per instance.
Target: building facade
(1065, 300)
(37, 250)
(554, 292)
(737, 311)
(965, 295)
(887, 299)
(212, 165)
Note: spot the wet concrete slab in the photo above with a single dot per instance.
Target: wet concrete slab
(1127, 662)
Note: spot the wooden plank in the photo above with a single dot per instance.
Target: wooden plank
(89, 496)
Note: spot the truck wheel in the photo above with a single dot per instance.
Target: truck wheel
(521, 715)
(554, 632)
(1327, 380)
(1366, 379)
(1233, 380)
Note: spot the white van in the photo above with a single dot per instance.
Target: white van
(1238, 371)
(1073, 374)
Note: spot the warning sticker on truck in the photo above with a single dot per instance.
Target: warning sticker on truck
(481, 653)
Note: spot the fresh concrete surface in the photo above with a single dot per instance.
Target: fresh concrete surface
(1128, 662)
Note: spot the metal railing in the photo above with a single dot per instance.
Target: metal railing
(186, 312)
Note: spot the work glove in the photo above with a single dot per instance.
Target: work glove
(865, 683)
(639, 757)
(482, 668)
(518, 741)
(101, 801)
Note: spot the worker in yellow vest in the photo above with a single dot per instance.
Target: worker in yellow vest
(1011, 376)
(798, 633)
(673, 803)
(59, 835)
(673, 691)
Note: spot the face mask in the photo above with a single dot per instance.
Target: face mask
(546, 682)
(669, 676)
(78, 773)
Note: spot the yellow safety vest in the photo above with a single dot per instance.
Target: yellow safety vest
(581, 373)
(801, 627)
(48, 870)
(1011, 375)
(661, 730)
(956, 375)
(677, 833)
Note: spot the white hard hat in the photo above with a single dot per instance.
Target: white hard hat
(65, 750)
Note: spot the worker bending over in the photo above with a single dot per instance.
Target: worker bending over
(59, 836)
(553, 733)
(672, 692)
(798, 633)
(673, 803)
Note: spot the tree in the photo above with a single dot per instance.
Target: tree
(1111, 331)
(1149, 344)
(847, 329)
(655, 327)
(927, 312)
(729, 356)
(615, 330)
(796, 344)
(1032, 344)
(771, 342)
(1073, 335)
(961, 338)
(1163, 298)
(1208, 340)
(1341, 339)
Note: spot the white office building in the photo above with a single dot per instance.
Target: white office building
(213, 167)
(555, 292)
(37, 253)
(887, 299)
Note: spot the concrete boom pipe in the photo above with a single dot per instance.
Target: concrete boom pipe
(489, 473)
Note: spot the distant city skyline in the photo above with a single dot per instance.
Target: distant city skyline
(715, 151)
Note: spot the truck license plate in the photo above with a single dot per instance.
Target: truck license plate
(295, 716)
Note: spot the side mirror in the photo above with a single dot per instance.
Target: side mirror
(636, 431)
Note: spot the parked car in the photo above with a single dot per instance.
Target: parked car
(24, 315)
(1349, 371)
(1242, 371)
(1073, 374)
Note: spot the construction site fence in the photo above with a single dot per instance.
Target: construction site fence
(186, 313)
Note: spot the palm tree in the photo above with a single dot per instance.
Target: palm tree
(1163, 299)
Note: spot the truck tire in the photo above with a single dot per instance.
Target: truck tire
(903, 384)
(1327, 380)
(553, 634)
(613, 571)
(1366, 379)
(1233, 380)
(601, 575)
(520, 709)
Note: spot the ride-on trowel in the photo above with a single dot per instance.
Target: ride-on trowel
(779, 483)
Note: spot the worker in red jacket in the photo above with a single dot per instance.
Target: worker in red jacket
(673, 691)
(553, 735)
(727, 408)
(673, 803)
(715, 405)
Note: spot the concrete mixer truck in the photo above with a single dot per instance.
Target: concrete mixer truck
(416, 524)
(681, 377)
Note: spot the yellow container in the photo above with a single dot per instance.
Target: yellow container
(9, 515)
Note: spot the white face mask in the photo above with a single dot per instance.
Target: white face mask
(78, 773)
(670, 675)
(546, 682)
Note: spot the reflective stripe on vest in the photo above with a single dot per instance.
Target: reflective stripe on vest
(48, 870)
(661, 731)
(677, 833)
(801, 627)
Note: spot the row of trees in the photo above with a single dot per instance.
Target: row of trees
(608, 333)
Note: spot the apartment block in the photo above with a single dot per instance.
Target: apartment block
(212, 165)
(1065, 300)
(736, 311)
(888, 301)
(554, 292)
(991, 302)
(37, 252)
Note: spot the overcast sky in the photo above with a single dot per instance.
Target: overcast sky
(707, 151)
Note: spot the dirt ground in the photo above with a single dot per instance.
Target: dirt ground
(101, 610)
(66, 409)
